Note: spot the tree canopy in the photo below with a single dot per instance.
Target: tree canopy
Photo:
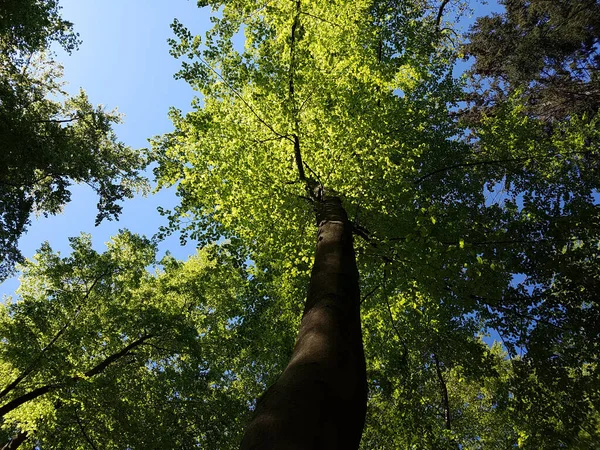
(474, 207)
(50, 140)
(98, 352)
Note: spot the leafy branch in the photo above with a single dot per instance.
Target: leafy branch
(57, 336)
(244, 101)
(99, 368)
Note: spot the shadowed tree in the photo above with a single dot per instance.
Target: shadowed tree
(545, 51)
(48, 141)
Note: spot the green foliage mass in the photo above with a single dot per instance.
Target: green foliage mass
(534, 121)
(467, 223)
(131, 359)
(365, 92)
(50, 140)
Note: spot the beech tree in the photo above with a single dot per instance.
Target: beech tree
(340, 115)
(327, 116)
(98, 352)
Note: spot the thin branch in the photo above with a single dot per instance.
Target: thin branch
(389, 308)
(72, 119)
(83, 432)
(468, 164)
(438, 19)
(519, 314)
(31, 183)
(252, 110)
(314, 174)
(99, 368)
(60, 332)
(497, 161)
(448, 37)
(370, 293)
(321, 19)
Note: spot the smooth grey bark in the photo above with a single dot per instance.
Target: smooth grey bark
(319, 401)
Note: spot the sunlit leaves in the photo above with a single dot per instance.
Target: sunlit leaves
(70, 325)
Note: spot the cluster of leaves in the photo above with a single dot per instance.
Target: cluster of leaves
(97, 351)
(486, 224)
(49, 144)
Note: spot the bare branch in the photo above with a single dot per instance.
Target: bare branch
(337, 25)
(71, 119)
(438, 19)
(370, 293)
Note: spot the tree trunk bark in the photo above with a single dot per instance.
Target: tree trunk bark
(319, 401)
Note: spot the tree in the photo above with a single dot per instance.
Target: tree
(534, 116)
(48, 144)
(345, 110)
(326, 113)
(98, 352)
(547, 51)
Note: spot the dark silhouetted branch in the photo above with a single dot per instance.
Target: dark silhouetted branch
(99, 368)
(15, 441)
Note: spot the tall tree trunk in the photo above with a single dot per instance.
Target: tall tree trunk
(319, 401)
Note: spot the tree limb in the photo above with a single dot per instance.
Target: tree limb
(444, 393)
(15, 441)
(99, 368)
(60, 332)
(438, 19)
(468, 164)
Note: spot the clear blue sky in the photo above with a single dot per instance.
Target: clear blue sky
(124, 62)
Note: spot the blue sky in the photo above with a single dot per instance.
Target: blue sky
(124, 62)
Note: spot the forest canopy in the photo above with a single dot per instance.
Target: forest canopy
(390, 254)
